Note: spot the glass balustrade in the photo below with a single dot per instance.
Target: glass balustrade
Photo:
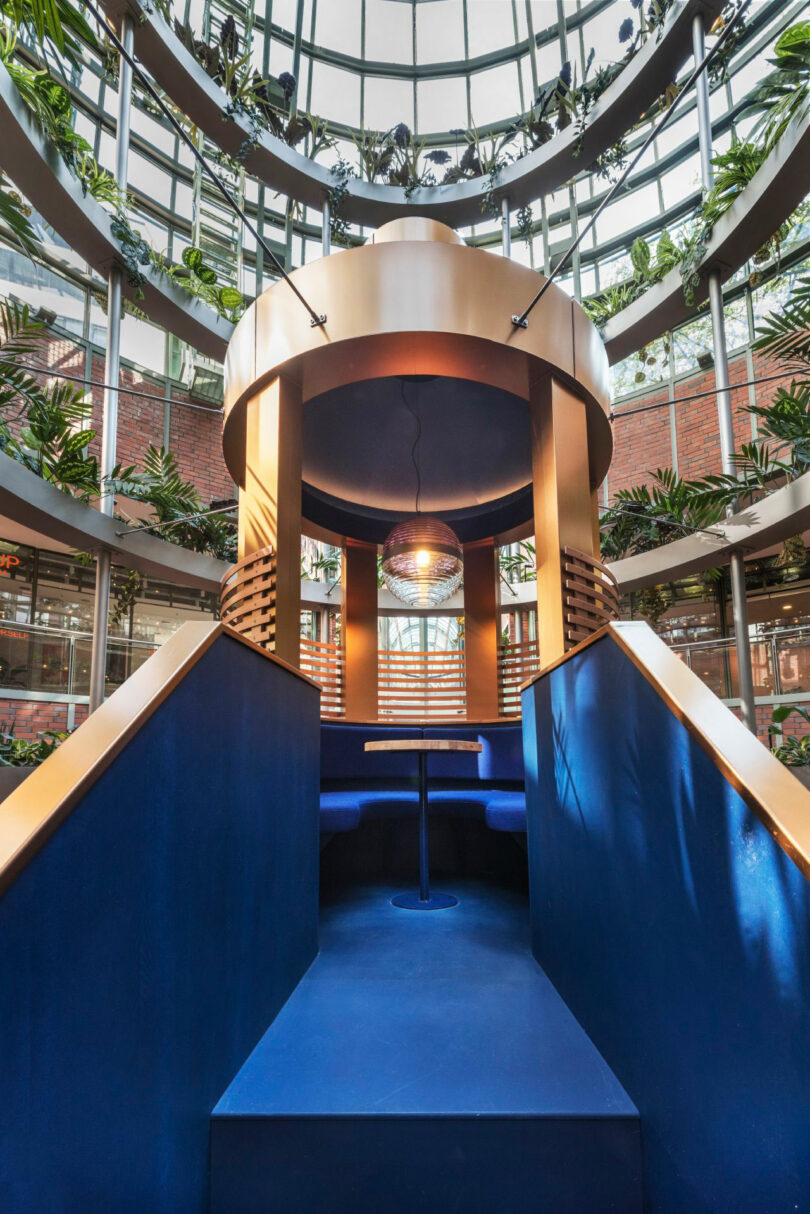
(52, 661)
(780, 660)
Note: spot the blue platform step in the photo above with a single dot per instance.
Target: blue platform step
(425, 1063)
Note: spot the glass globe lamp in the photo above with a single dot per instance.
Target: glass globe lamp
(421, 561)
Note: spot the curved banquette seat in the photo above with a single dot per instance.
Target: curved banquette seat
(359, 786)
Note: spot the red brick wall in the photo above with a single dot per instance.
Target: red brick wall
(793, 725)
(195, 439)
(642, 441)
(140, 421)
(195, 435)
(32, 717)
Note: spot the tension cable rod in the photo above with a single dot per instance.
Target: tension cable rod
(678, 400)
(522, 321)
(51, 373)
(315, 319)
(172, 522)
(665, 522)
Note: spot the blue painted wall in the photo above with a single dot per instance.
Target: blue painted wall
(147, 947)
(678, 932)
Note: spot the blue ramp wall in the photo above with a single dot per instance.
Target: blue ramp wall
(677, 931)
(148, 945)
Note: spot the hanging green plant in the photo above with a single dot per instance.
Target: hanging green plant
(341, 174)
(525, 227)
(135, 253)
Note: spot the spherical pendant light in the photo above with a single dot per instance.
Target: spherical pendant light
(421, 561)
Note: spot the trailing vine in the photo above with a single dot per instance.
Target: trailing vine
(341, 174)
(135, 253)
(524, 228)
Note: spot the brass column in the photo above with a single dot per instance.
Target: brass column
(360, 629)
(270, 503)
(563, 513)
(596, 539)
(481, 630)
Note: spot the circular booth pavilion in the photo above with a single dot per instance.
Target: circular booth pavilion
(417, 350)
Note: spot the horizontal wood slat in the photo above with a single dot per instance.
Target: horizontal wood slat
(248, 597)
(325, 662)
(418, 684)
(517, 661)
(590, 596)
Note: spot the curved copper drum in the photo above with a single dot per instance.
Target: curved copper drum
(416, 301)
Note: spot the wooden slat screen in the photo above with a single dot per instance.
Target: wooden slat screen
(325, 662)
(248, 597)
(421, 685)
(590, 596)
(516, 662)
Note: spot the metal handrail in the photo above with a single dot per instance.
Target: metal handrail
(772, 640)
(75, 634)
(777, 633)
(67, 678)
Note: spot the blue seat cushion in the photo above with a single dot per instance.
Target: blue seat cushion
(395, 804)
(502, 756)
(343, 754)
(454, 764)
(469, 802)
(346, 809)
(506, 811)
(339, 811)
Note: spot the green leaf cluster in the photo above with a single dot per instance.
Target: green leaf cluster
(19, 752)
(200, 280)
(160, 484)
(45, 427)
(792, 751)
(53, 23)
(666, 507)
(785, 93)
(51, 106)
(51, 438)
(521, 565)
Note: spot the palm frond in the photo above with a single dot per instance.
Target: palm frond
(15, 214)
(785, 335)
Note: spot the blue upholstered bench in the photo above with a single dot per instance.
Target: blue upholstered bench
(358, 787)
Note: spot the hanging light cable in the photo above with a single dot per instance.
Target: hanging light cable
(421, 560)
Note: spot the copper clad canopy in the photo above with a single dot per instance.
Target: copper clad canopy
(416, 301)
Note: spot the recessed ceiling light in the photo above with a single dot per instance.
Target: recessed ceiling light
(787, 606)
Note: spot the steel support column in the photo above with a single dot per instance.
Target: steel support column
(739, 605)
(109, 425)
(506, 232)
(326, 230)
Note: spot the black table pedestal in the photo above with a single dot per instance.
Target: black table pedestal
(423, 900)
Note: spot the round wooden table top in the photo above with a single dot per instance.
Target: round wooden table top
(425, 744)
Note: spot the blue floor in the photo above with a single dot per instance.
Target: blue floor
(433, 1012)
(411, 1015)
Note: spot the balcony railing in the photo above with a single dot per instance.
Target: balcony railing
(34, 658)
(780, 661)
(53, 661)
(325, 662)
(517, 661)
(416, 686)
